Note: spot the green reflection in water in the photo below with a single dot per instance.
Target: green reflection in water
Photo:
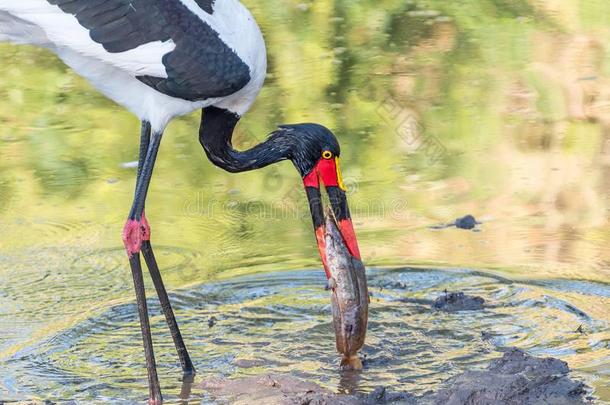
(500, 109)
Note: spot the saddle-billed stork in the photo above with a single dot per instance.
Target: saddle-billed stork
(165, 58)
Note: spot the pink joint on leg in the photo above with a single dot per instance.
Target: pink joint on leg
(132, 237)
(134, 233)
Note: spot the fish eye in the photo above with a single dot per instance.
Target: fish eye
(327, 154)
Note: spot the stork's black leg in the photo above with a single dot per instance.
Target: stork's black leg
(166, 306)
(151, 262)
(154, 389)
(144, 143)
(146, 164)
(135, 231)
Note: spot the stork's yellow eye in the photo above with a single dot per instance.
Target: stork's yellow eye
(327, 154)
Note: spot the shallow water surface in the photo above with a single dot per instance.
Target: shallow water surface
(499, 109)
(279, 322)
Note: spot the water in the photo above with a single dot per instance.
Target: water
(496, 109)
(279, 322)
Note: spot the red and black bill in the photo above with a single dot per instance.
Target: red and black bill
(327, 171)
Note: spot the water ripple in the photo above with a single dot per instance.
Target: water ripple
(281, 322)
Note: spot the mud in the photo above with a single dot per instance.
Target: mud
(515, 378)
(453, 302)
(468, 222)
(273, 390)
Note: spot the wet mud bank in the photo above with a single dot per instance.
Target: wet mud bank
(515, 378)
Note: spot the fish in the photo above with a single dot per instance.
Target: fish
(349, 296)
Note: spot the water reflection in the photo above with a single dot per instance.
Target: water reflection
(496, 109)
(187, 388)
(349, 382)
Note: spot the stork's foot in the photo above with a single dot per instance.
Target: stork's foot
(134, 233)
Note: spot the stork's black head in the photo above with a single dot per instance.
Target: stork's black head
(312, 148)
(309, 143)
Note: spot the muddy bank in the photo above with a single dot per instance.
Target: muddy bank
(515, 378)
(273, 390)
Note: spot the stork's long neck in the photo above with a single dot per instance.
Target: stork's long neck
(215, 135)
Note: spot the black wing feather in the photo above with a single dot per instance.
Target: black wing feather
(206, 5)
(200, 67)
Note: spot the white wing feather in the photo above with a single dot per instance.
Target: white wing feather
(39, 23)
